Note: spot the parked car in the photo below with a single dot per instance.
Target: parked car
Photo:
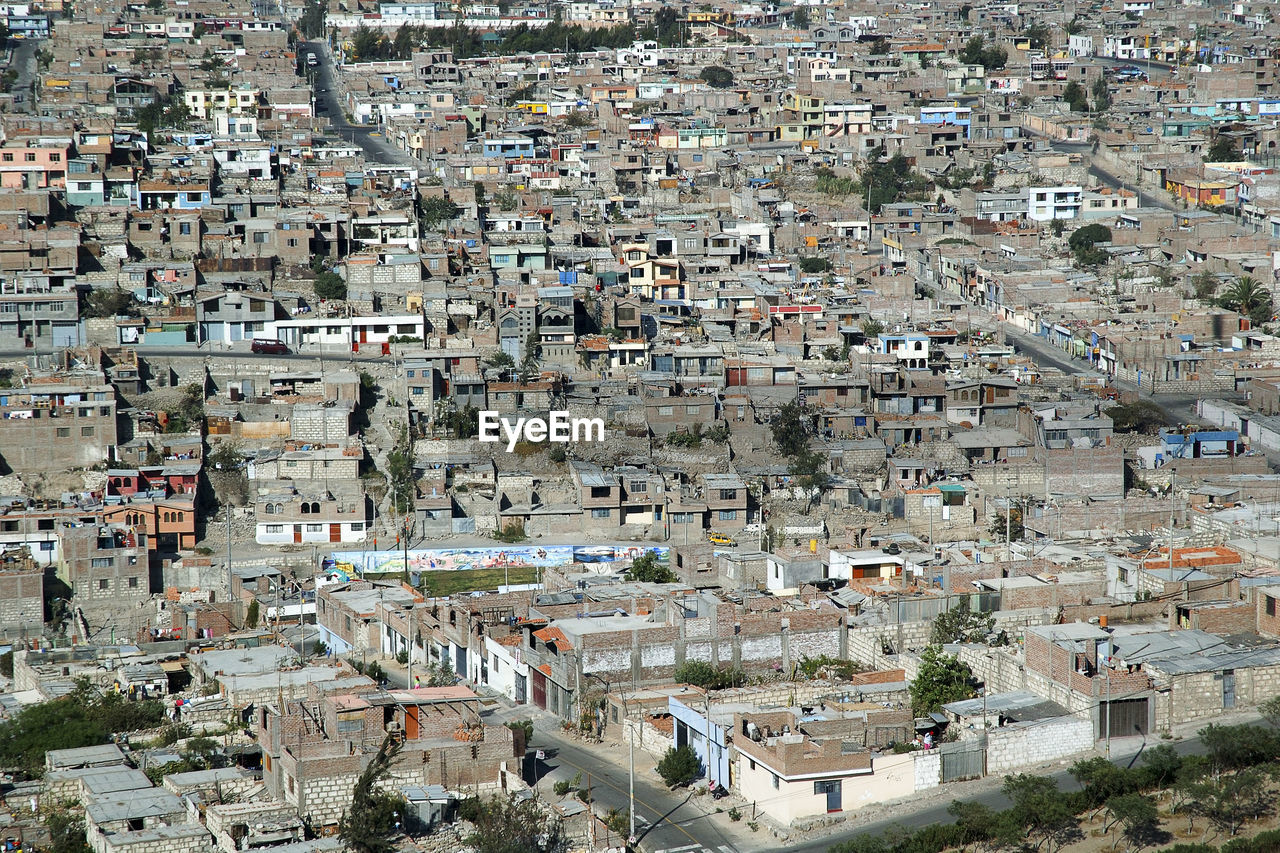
(721, 539)
(269, 346)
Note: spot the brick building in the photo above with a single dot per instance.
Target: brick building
(107, 569)
(21, 591)
(314, 750)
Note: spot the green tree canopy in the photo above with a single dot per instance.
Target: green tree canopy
(941, 678)
(717, 77)
(369, 822)
(511, 825)
(679, 766)
(330, 285)
(647, 568)
(437, 210)
(790, 429)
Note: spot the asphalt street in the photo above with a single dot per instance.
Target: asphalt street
(375, 147)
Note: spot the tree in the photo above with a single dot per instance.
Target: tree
(1270, 710)
(961, 625)
(1138, 814)
(717, 77)
(1223, 150)
(1008, 526)
(84, 717)
(1160, 766)
(226, 456)
(511, 825)
(525, 727)
(800, 17)
(109, 302)
(976, 51)
(872, 328)
(940, 679)
(1075, 97)
(312, 21)
(1204, 284)
(251, 615)
(1234, 799)
(1041, 809)
(1039, 35)
(1083, 243)
(647, 569)
(368, 823)
(66, 830)
(330, 285)
(883, 181)
(812, 265)
(400, 476)
(437, 210)
(1249, 297)
(679, 766)
(1101, 95)
(790, 428)
(1140, 416)
(501, 360)
(702, 674)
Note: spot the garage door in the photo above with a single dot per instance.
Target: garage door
(1127, 717)
(539, 689)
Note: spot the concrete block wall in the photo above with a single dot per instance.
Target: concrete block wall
(1024, 745)
(185, 838)
(928, 769)
(222, 819)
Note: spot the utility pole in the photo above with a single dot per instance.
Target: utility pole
(408, 677)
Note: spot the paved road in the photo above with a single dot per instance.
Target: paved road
(664, 820)
(23, 60)
(376, 148)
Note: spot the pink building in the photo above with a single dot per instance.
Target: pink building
(31, 167)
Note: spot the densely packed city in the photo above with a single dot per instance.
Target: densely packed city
(621, 426)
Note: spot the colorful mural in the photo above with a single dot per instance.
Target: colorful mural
(495, 557)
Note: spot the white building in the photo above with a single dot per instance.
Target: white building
(1047, 203)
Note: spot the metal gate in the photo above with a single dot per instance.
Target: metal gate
(1127, 717)
(539, 688)
(963, 760)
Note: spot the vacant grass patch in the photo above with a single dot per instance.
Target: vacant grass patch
(448, 583)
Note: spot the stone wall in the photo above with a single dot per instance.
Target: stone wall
(646, 737)
(1027, 744)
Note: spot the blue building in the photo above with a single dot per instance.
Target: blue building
(694, 729)
(1200, 444)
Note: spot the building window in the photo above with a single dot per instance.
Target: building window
(55, 158)
(64, 432)
(86, 431)
(103, 562)
(133, 583)
(1271, 606)
(775, 783)
(30, 157)
(184, 228)
(728, 494)
(600, 513)
(357, 527)
(8, 157)
(104, 584)
(315, 528)
(275, 528)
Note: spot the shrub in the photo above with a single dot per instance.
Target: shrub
(679, 766)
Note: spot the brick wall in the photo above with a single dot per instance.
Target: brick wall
(1268, 612)
(1237, 618)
